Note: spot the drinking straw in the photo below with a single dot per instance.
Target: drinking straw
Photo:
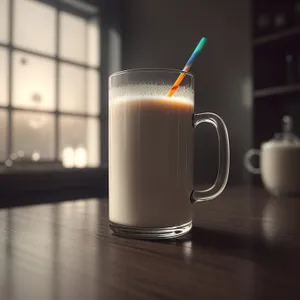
(187, 66)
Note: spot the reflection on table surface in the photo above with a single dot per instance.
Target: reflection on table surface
(244, 245)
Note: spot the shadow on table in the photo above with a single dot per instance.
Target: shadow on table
(256, 248)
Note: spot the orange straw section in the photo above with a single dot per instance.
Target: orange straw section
(187, 66)
(177, 84)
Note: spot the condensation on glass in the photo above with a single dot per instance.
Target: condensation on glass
(72, 88)
(93, 142)
(93, 92)
(33, 134)
(34, 26)
(33, 82)
(4, 21)
(79, 141)
(72, 43)
(3, 134)
(3, 76)
(79, 39)
(93, 43)
(73, 148)
(79, 89)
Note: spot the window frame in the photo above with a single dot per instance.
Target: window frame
(109, 17)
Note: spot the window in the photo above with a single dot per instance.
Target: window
(49, 84)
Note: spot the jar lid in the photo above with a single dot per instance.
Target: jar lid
(286, 138)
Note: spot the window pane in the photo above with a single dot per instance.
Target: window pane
(3, 134)
(93, 142)
(4, 21)
(73, 147)
(3, 76)
(33, 82)
(33, 133)
(93, 82)
(34, 26)
(93, 42)
(72, 38)
(72, 88)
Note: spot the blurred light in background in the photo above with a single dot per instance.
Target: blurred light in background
(68, 157)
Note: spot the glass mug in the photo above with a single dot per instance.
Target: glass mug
(151, 154)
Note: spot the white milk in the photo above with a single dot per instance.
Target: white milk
(150, 160)
(280, 168)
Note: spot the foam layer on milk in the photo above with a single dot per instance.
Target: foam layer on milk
(150, 92)
(157, 99)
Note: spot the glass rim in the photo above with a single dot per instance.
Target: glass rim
(165, 70)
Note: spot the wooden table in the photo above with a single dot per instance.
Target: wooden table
(244, 245)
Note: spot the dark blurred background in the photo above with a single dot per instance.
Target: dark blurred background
(56, 56)
(163, 33)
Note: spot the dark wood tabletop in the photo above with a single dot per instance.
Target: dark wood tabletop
(244, 245)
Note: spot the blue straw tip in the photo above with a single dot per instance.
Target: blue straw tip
(196, 51)
(201, 43)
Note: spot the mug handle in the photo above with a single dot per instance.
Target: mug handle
(247, 162)
(224, 157)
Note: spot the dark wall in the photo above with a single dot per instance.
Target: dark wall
(160, 33)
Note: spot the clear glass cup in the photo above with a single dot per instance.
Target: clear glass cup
(151, 154)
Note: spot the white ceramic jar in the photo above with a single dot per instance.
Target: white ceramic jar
(279, 162)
